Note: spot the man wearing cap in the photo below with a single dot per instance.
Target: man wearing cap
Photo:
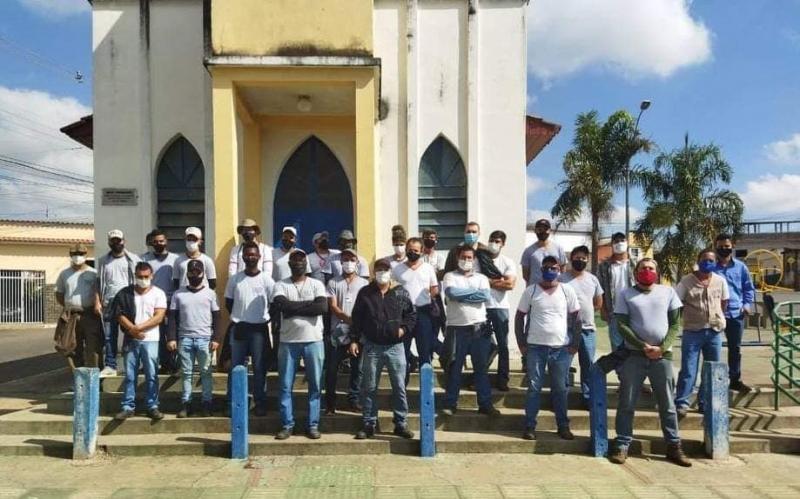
(249, 230)
(76, 288)
(533, 255)
(320, 259)
(115, 271)
(398, 255)
(301, 302)
(342, 293)
(163, 262)
(194, 238)
(280, 255)
(347, 240)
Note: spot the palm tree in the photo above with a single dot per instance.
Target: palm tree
(594, 168)
(687, 205)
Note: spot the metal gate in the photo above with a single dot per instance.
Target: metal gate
(21, 296)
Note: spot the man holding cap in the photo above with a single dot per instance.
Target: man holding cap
(533, 255)
(76, 288)
(320, 259)
(115, 271)
(249, 230)
(194, 237)
(347, 240)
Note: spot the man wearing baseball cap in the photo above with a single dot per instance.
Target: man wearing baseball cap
(320, 258)
(280, 255)
(249, 230)
(347, 240)
(533, 255)
(194, 238)
(115, 272)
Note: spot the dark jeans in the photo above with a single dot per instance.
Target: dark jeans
(734, 329)
(167, 360)
(499, 319)
(333, 358)
(111, 341)
(472, 341)
(252, 344)
(374, 358)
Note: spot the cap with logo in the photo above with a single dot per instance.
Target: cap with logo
(115, 234)
(289, 228)
(78, 248)
(194, 231)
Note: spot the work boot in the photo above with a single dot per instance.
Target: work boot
(365, 433)
(155, 414)
(529, 434)
(565, 433)
(490, 411)
(186, 410)
(123, 415)
(676, 455)
(284, 434)
(313, 433)
(740, 387)
(618, 455)
(403, 431)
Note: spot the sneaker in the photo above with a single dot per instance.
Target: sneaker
(261, 410)
(618, 455)
(206, 410)
(155, 414)
(447, 411)
(490, 411)
(284, 434)
(313, 433)
(123, 415)
(186, 410)
(682, 412)
(365, 433)
(740, 387)
(565, 433)
(675, 454)
(107, 372)
(502, 386)
(403, 431)
(529, 434)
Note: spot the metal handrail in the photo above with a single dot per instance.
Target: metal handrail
(786, 350)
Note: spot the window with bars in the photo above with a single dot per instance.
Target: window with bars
(442, 194)
(180, 182)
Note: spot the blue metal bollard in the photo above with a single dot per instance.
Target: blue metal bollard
(427, 412)
(85, 409)
(715, 411)
(598, 411)
(239, 413)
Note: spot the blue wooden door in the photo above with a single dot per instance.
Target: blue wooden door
(312, 194)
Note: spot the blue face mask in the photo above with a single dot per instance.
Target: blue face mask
(549, 275)
(707, 266)
(470, 238)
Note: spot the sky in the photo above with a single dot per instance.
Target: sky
(725, 71)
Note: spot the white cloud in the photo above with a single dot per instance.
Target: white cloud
(784, 152)
(56, 8)
(29, 131)
(536, 184)
(772, 195)
(634, 37)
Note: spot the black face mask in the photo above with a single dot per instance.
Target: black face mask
(249, 235)
(429, 243)
(578, 265)
(195, 281)
(159, 248)
(117, 247)
(287, 245)
(542, 236)
(297, 268)
(412, 257)
(724, 252)
(323, 245)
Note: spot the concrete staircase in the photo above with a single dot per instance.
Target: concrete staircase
(47, 429)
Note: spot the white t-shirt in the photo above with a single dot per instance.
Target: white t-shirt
(179, 273)
(163, 268)
(78, 287)
(460, 313)
(280, 264)
(146, 306)
(548, 313)
(438, 259)
(393, 262)
(299, 329)
(236, 263)
(251, 297)
(533, 255)
(417, 282)
(620, 278)
(508, 268)
(321, 264)
(588, 287)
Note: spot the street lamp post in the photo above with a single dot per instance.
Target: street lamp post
(642, 108)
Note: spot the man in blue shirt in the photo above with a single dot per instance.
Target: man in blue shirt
(740, 304)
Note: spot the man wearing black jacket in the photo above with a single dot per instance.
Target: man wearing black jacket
(382, 316)
(301, 302)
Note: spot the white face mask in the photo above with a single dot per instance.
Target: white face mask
(143, 282)
(383, 277)
(465, 265)
(620, 247)
(348, 267)
(399, 249)
(77, 259)
(192, 246)
(495, 247)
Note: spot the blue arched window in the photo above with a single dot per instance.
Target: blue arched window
(442, 194)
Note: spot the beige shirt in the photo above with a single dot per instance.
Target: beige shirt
(702, 305)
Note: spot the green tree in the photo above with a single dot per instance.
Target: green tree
(595, 167)
(687, 205)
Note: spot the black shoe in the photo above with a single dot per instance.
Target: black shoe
(682, 412)
(490, 411)
(186, 410)
(403, 431)
(675, 454)
(740, 387)
(365, 433)
(206, 410)
(313, 433)
(261, 410)
(618, 456)
(565, 433)
(155, 414)
(123, 415)
(529, 434)
(502, 386)
(284, 434)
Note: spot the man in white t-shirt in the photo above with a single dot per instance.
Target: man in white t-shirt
(497, 308)
(194, 238)
(247, 299)
(139, 309)
(590, 296)
(548, 343)
(163, 262)
(419, 279)
(320, 258)
(467, 293)
(249, 230)
(301, 302)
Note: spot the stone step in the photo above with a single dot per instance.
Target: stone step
(218, 444)
(37, 422)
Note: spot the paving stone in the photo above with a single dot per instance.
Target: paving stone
(480, 492)
(778, 491)
(565, 491)
(46, 493)
(402, 492)
(650, 492)
(332, 476)
(11, 493)
(438, 492)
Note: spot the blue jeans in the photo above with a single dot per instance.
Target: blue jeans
(635, 369)
(144, 353)
(734, 329)
(707, 341)
(586, 352)
(615, 338)
(289, 354)
(254, 345)
(111, 339)
(373, 358)
(499, 319)
(189, 350)
(470, 340)
(425, 335)
(557, 361)
(334, 355)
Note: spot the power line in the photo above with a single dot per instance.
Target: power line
(40, 60)
(44, 184)
(48, 170)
